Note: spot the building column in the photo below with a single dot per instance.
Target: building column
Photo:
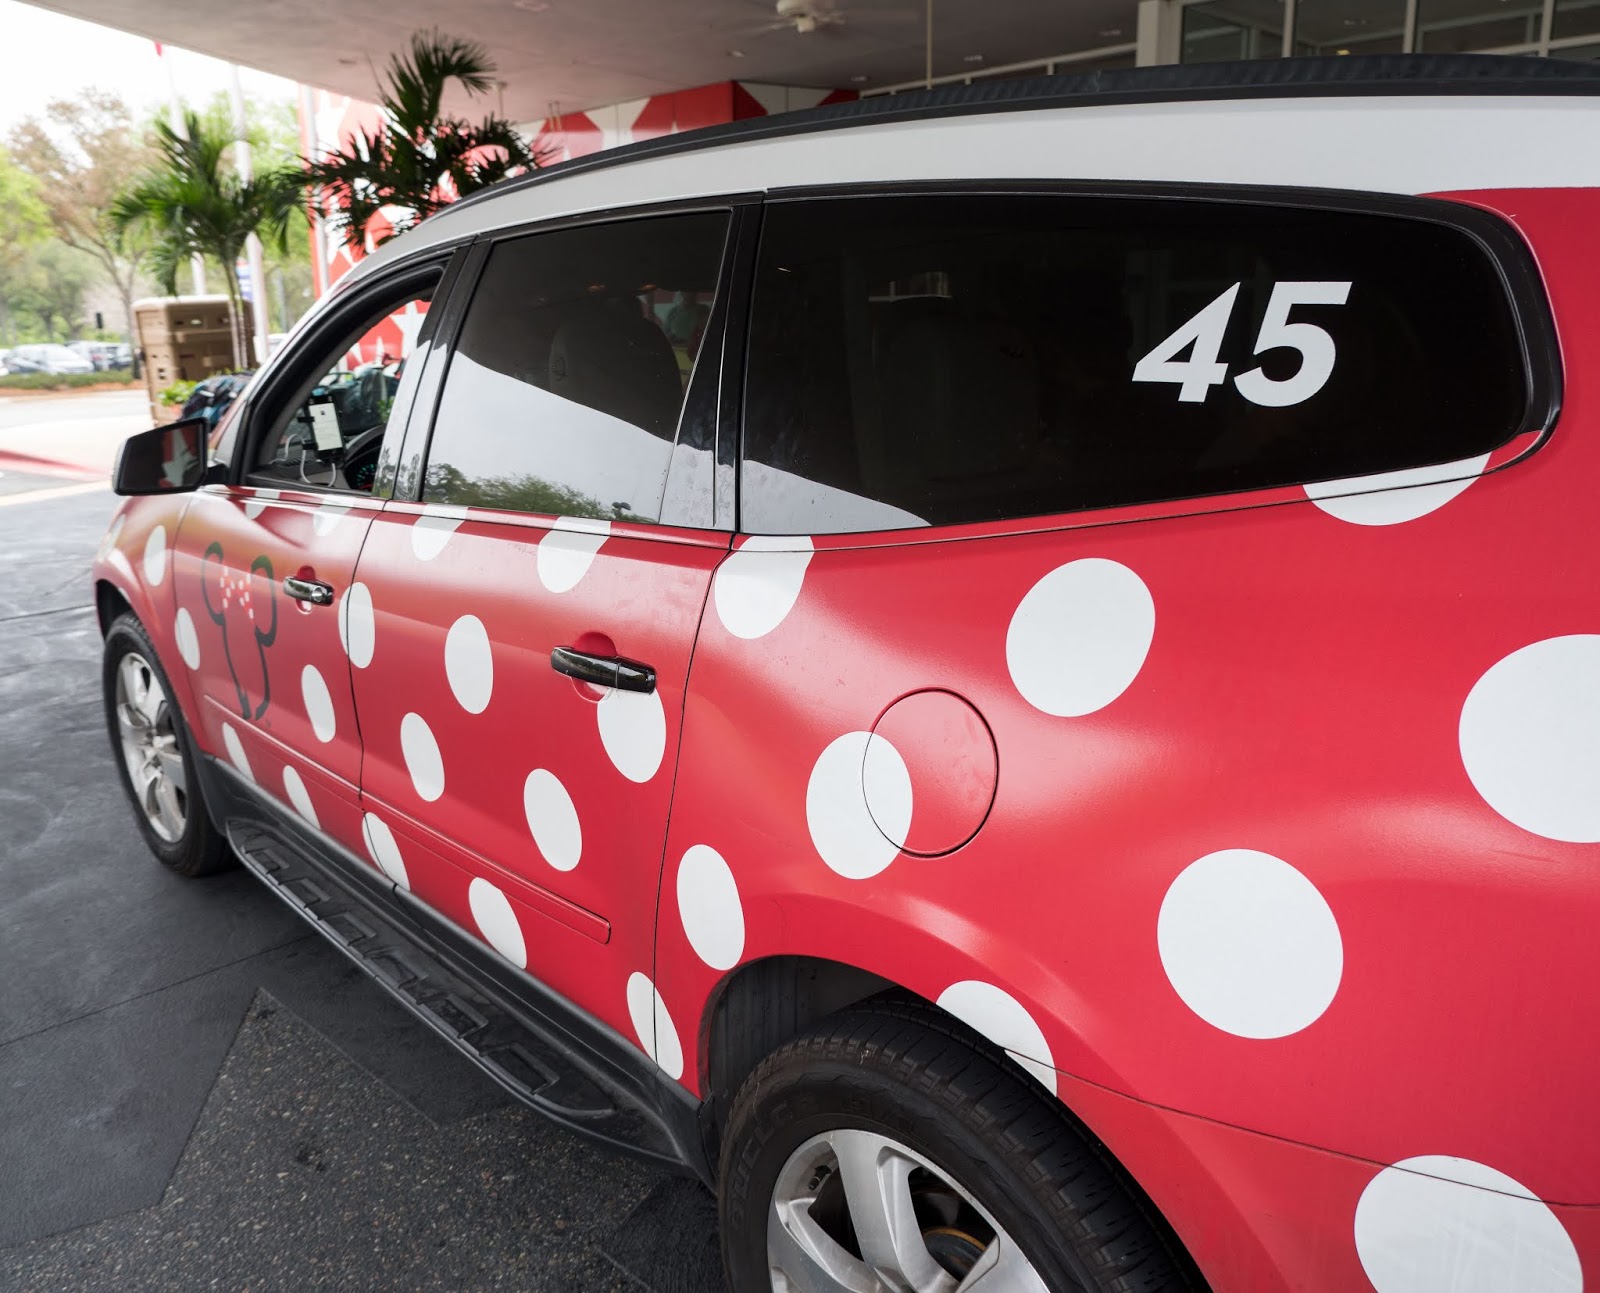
(1160, 33)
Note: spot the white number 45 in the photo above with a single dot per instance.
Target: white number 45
(1196, 375)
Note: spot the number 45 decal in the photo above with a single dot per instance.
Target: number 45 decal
(1197, 374)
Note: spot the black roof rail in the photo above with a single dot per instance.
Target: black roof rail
(1285, 78)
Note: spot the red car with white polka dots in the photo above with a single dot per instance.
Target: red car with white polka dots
(1012, 680)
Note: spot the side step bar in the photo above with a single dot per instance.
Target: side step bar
(560, 1062)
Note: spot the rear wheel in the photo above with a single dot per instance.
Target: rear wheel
(154, 755)
(888, 1151)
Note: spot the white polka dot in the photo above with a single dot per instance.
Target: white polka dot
(299, 796)
(653, 1025)
(256, 504)
(358, 629)
(385, 852)
(1080, 636)
(855, 837)
(633, 728)
(469, 664)
(328, 515)
(319, 704)
(421, 753)
(708, 903)
(1530, 738)
(1249, 944)
(432, 530)
(1438, 1224)
(236, 755)
(155, 555)
(497, 922)
(565, 552)
(1401, 495)
(552, 819)
(1005, 1021)
(757, 586)
(187, 639)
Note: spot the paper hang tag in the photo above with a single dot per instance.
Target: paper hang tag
(325, 428)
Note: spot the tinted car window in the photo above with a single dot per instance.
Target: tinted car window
(566, 384)
(933, 360)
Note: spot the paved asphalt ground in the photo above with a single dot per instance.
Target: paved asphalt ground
(195, 1091)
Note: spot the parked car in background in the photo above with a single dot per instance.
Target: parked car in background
(19, 364)
(1010, 676)
(52, 358)
(104, 355)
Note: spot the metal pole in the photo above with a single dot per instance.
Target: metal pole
(252, 247)
(311, 146)
(927, 52)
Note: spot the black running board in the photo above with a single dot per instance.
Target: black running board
(553, 1057)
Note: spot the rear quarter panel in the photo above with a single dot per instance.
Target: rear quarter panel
(1301, 697)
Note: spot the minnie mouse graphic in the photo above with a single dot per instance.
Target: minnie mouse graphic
(245, 607)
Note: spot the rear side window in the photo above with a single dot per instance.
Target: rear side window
(568, 379)
(930, 360)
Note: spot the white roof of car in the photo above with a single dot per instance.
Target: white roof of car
(1516, 123)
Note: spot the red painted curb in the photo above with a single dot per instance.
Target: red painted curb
(47, 467)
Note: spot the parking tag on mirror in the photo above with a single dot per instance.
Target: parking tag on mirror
(325, 428)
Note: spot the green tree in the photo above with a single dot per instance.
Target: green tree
(51, 286)
(193, 202)
(24, 225)
(419, 159)
(82, 155)
(272, 129)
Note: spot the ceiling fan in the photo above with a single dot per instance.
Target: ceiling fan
(806, 17)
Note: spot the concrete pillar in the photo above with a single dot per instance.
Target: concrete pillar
(1160, 33)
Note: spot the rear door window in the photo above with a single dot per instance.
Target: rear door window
(568, 378)
(930, 360)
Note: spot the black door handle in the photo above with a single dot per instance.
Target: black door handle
(309, 590)
(603, 670)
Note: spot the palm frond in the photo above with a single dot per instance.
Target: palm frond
(418, 159)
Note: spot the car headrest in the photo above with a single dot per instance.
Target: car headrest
(607, 356)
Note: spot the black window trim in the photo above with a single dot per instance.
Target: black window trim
(1506, 249)
(294, 361)
(734, 279)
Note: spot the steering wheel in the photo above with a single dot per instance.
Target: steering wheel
(361, 459)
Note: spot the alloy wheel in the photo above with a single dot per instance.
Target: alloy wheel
(146, 723)
(856, 1212)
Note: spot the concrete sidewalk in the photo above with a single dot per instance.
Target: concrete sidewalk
(70, 437)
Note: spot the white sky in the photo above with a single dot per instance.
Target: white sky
(46, 56)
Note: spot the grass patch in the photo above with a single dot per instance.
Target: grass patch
(64, 381)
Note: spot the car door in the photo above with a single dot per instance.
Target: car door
(259, 563)
(533, 608)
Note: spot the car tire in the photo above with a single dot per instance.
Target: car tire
(906, 1089)
(149, 741)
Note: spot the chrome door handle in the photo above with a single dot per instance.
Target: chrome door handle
(308, 590)
(603, 670)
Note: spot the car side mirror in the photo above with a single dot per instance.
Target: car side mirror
(166, 460)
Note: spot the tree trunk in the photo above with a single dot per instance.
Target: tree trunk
(236, 306)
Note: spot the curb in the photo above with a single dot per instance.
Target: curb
(10, 460)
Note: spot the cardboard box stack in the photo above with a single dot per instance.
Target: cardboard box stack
(184, 339)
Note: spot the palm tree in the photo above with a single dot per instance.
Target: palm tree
(192, 202)
(418, 159)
